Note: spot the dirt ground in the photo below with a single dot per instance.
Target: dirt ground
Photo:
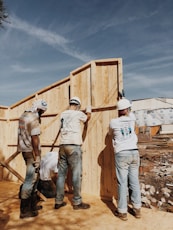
(99, 216)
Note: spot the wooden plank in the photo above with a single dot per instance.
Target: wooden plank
(12, 157)
(40, 92)
(12, 171)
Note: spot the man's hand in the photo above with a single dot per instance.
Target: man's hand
(88, 109)
(88, 113)
(36, 164)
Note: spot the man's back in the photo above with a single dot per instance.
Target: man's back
(71, 126)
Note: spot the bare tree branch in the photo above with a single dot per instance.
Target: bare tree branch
(3, 13)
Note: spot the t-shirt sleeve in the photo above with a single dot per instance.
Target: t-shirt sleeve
(55, 169)
(83, 117)
(132, 116)
(35, 127)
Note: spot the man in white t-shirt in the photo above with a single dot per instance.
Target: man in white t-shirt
(124, 142)
(48, 169)
(70, 153)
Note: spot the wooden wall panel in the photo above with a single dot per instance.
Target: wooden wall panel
(17, 109)
(3, 112)
(57, 97)
(106, 82)
(80, 84)
(3, 135)
(98, 157)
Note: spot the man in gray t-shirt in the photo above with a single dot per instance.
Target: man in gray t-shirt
(29, 145)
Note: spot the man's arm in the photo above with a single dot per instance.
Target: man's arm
(110, 131)
(88, 112)
(36, 151)
(35, 144)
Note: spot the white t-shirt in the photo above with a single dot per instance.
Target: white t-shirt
(48, 164)
(71, 127)
(124, 136)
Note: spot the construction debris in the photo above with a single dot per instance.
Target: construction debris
(156, 173)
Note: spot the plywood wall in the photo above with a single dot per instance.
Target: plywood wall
(97, 84)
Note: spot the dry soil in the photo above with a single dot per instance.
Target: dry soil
(99, 217)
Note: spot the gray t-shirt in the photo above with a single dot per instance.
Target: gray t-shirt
(28, 126)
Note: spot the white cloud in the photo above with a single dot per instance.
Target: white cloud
(48, 37)
(21, 69)
(159, 62)
(142, 81)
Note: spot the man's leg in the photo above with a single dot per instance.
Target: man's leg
(62, 171)
(75, 162)
(134, 184)
(121, 161)
(26, 209)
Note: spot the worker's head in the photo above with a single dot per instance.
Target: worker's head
(123, 106)
(75, 101)
(40, 106)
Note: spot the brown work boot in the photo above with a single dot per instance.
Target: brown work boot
(57, 206)
(34, 201)
(81, 206)
(25, 209)
(28, 214)
(137, 213)
(122, 216)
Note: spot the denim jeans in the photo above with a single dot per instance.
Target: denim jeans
(69, 155)
(127, 172)
(31, 178)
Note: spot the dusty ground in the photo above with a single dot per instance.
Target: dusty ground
(99, 216)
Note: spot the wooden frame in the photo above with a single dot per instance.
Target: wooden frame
(97, 83)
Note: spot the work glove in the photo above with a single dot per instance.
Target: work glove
(36, 164)
(88, 109)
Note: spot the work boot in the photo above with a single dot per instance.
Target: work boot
(57, 206)
(136, 212)
(81, 206)
(34, 202)
(25, 209)
(122, 216)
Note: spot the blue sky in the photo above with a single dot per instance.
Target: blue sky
(46, 40)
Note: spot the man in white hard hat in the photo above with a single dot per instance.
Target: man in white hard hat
(29, 145)
(70, 153)
(124, 142)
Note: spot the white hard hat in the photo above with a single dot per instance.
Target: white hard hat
(75, 100)
(40, 104)
(123, 104)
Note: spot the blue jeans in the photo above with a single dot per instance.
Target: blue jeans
(69, 155)
(127, 172)
(31, 178)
